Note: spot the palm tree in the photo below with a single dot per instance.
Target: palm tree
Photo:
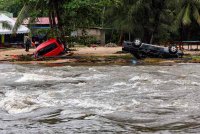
(149, 14)
(54, 8)
(64, 15)
(189, 9)
(119, 18)
(187, 13)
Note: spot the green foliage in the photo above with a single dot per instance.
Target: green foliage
(12, 6)
(82, 13)
(153, 20)
(112, 36)
(189, 10)
(150, 20)
(83, 40)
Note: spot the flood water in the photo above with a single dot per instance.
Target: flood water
(104, 99)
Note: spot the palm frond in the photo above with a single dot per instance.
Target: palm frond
(24, 14)
(197, 2)
(196, 14)
(20, 18)
(177, 22)
(138, 5)
(186, 17)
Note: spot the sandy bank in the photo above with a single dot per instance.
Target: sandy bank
(90, 56)
(85, 51)
(79, 55)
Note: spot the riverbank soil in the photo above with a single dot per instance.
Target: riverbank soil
(90, 55)
(82, 55)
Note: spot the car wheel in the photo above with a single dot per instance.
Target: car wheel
(137, 43)
(173, 49)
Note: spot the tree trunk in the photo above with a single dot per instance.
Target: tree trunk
(60, 22)
(50, 20)
(51, 15)
(181, 37)
(152, 38)
(121, 38)
(129, 36)
(157, 18)
(53, 20)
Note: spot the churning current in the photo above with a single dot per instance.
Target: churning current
(103, 99)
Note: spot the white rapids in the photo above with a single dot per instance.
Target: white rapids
(103, 99)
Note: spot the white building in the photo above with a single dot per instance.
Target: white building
(6, 35)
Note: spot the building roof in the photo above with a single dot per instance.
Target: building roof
(39, 21)
(43, 21)
(21, 29)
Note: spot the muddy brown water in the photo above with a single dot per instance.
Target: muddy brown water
(100, 99)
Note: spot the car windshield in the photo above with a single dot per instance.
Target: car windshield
(47, 49)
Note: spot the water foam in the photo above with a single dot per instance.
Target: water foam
(36, 77)
(141, 78)
(99, 107)
(120, 84)
(15, 102)
(158, 81)
(92, 69)
(95, 76)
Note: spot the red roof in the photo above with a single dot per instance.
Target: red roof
(39, 21)
(44, 20)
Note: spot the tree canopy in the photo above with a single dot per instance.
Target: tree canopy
(150, 20)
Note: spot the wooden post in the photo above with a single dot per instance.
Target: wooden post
(2, 39)
(181, 46)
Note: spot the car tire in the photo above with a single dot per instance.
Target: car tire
(137, 43)
(173, 49)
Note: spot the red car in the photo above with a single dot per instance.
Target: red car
(52, 47)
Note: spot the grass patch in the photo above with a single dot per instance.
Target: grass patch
(113, 59)
(124, 56)
(26, 58)
(153, 60)
(192, 58)
(195, 59)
